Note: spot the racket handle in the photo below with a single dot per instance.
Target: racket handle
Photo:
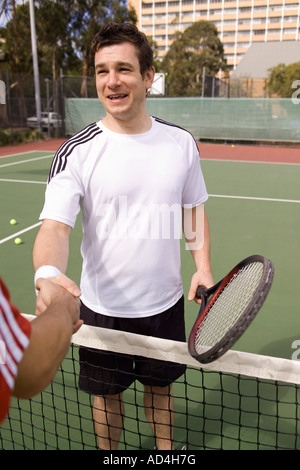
(200, 291)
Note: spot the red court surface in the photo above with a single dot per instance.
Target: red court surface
(51, 145)
(254, 153)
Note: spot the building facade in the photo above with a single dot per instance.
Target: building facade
(240, 23)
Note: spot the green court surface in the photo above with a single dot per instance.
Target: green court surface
(253, 208)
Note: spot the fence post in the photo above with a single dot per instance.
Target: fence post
(2, 92)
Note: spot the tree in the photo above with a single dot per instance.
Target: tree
(65, 30)
(16, 34)
(86, 19)
(281, 78)
(8, 8)
(54, 42)
(197, 47)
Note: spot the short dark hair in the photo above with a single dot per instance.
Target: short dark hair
(117, 33)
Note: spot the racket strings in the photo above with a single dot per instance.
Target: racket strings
(228, 306)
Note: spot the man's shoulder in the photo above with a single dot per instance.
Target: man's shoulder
(170, 126)
(85, 136)
(176, 131)
(74, 148)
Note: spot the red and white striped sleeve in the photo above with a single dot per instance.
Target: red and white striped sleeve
(14, 339)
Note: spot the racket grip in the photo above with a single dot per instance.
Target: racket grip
(200, 291)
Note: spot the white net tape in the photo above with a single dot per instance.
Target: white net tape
(252, 365)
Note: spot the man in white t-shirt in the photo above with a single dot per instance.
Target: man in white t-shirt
(136, 180)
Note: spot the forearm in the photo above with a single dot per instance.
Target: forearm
(49, 342)
(197, 235)
(50, 259)
(198, 240)
(51, 246)
(201, 253)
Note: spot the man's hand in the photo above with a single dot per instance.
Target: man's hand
(199, 279)
(62, 291)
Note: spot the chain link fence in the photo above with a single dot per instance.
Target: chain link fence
(20, 101)
(210, 116)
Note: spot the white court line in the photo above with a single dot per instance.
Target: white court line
(21, 181)
(210, 195)
(26, 161)
(254, 198)
(19, 233)
(24, 153)
(247, 161)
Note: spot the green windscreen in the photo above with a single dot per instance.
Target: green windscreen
(262, 119)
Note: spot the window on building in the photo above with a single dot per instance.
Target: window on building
(275, 19)
(290, 31)
(290, 19)
(273, 31)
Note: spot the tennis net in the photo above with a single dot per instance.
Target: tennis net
(239, 402)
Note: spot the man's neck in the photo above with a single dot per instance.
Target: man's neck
(136, 126)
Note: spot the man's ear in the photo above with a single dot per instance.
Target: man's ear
(149, 77)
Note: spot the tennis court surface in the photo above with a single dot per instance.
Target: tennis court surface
(247, 400)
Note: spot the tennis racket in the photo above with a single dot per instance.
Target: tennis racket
(228, 308)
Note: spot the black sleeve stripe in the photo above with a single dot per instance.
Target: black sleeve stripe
(161, 121)
(61, 157)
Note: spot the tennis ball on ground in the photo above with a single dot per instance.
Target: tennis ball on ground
(18, 241)
(12, 221)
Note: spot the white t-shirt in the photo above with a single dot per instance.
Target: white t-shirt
(130, 189)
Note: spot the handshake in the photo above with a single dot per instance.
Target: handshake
(57, 292)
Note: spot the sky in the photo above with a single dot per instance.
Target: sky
(3, 19)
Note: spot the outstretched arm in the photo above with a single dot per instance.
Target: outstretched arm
(50, 257)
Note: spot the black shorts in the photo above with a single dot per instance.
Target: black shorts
(108, 373)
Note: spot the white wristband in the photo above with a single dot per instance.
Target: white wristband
(45, 272)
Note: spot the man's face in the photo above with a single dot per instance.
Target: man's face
(120, 86)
